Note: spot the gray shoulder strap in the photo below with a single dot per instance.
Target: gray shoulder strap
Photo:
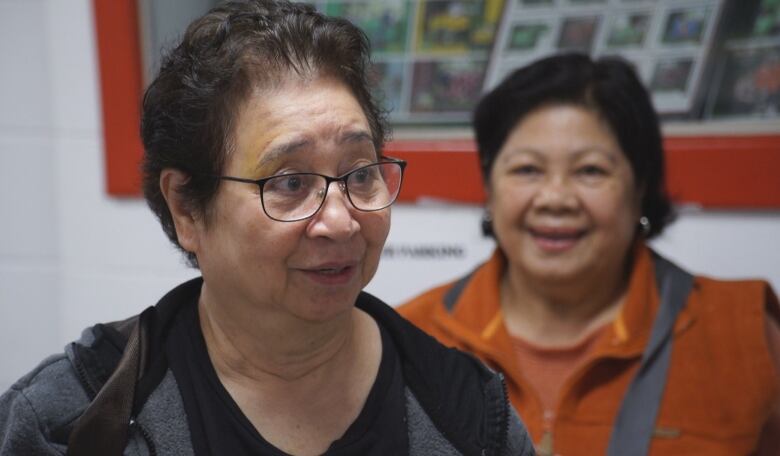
(103, 428)
(452, 295)
(635, 421)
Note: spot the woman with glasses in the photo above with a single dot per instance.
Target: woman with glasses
(263, 163)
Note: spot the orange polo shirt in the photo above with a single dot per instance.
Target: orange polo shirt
(722, 385)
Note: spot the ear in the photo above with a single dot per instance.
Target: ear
(188, 225)
(488, 190)
(639, 197)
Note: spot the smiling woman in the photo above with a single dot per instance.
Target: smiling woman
(608, 348)
(263, 163)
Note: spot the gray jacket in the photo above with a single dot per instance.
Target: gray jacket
(454, 405)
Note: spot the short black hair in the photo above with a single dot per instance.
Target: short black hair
(191, 105)
(610, 87)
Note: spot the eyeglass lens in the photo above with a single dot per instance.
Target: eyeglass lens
(298, 196)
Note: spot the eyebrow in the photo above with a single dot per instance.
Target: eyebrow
(355, 137)
(274, 153)
(610, 154)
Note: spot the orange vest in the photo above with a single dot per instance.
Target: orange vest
(721, 387)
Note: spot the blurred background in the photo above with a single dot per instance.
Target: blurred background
(78, 245)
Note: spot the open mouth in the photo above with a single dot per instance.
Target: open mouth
(331, 275)
(331, 271)
(556, 240)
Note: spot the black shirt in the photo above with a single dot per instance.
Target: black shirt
(219, 427)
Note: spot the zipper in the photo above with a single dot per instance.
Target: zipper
(503, 415)
(507, 411)
(81, 373)
(144, 435)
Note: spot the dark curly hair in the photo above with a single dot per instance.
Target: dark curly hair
(608, 86)
(190, 106)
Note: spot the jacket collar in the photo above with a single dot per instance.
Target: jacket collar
(476, 318)
(445, 381)
(457, 392)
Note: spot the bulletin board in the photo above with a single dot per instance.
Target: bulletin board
(714, 170)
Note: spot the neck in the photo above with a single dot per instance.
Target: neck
(560, 314)
(301, 384)
(248, 345)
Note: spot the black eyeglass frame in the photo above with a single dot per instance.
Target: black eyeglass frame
(328, 180)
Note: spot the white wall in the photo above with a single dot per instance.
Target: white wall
(71, 256)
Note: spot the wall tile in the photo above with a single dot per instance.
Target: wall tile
(28, 318)
(28, 214)
(73, 68)
(25, 92)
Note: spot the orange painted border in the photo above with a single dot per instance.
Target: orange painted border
(739, 171)
(711, 171)
(119, 60)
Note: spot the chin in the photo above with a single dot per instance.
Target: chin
(552, 270)
(326, 307)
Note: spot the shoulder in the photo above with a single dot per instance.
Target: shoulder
(426, 438)
(42, 405)
(425, 301)
(741, 306)
(729, 292)
(421, 309)
(465, 400)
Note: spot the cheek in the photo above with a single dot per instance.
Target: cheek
(376, 227)
(509, 201)
(615, 209)
(260, 240)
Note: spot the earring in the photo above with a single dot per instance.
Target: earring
(487, 223)
(644, 224)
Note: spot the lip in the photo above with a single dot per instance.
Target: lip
(331, 273)
(556, 239)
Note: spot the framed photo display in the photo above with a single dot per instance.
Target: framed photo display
(668, 41)
(434, 58)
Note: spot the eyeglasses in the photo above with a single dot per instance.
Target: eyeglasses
(298, 196)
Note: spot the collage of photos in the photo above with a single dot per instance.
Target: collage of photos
(628, 30)
(666, 40)
(446, 86)
(432, 59)
(386, 23)
(747, 81)
(750, 83)
(429, 56)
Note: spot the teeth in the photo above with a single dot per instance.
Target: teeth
(556, 236)
(559, 236)
(329, 271)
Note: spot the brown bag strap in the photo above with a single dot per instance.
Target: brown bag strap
(103, 428)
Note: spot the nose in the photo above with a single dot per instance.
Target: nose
(335, 218)
(555, 194)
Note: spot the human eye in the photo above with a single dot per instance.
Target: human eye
(592, 170)
(363, 175)
(525, 169)
(364, 178)
(289, 184)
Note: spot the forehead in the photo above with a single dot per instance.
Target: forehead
(298, 115)
(562, 128)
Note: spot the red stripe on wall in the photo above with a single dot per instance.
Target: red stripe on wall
(712, 171)
(740, 171)
(119, 61)
(725, 171)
